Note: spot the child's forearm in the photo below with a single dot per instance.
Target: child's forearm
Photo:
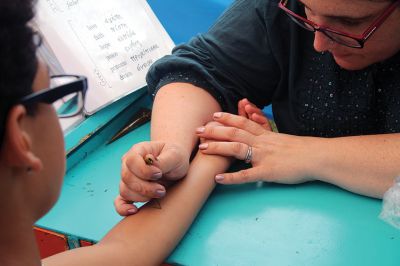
(148, 237)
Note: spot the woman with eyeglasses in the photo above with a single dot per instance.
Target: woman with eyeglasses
(330, 69)
(32, 162)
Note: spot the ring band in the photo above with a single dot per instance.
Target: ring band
(249, 155)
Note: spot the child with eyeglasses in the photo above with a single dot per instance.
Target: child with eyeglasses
(32, 162)
(330, 69)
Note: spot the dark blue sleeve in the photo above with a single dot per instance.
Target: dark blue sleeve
(233, 60)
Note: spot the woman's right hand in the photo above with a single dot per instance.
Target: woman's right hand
(141, 182)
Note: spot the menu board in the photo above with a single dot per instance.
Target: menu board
(112, 43)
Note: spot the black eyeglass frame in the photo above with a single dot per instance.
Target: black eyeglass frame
(51, 95)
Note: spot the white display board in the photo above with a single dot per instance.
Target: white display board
(113, 43)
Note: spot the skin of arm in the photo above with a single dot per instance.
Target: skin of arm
(173, 139)
(177, 102)
(148, 237)
(365, 165)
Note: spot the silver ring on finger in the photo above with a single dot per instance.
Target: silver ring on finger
(249, 155)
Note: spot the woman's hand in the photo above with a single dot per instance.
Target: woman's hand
(141, 181)
(276, 157)
(252, 112)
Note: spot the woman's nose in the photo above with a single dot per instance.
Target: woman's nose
(322, 42)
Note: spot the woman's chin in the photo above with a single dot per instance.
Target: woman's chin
(347, 62)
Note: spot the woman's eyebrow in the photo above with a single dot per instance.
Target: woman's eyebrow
(344, 17)
(362, 18)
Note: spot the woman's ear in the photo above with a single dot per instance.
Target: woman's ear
(17, 144)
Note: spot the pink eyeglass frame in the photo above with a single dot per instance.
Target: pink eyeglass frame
(361, 39)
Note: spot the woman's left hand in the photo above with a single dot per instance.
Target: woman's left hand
(275, 157)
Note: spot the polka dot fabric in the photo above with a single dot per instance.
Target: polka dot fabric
(333, 102)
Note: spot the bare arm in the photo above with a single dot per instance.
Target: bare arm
(365, 165)
(148, 237)
(179, 108)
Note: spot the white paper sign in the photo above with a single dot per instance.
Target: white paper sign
(113, 43)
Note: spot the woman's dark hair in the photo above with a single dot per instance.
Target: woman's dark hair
(18, 63)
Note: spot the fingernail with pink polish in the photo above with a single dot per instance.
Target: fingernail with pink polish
(132, 211)
(160, 192)
(219, 177)
(157, 176)
(217, 115)
(200, 129)
(203, 146)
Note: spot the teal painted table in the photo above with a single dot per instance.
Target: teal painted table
(253, 224)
